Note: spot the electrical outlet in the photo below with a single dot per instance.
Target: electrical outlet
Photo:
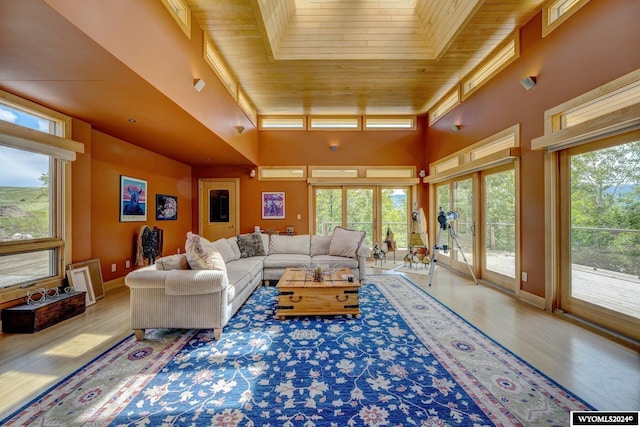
(127, 263)
(299, 216)
(524, 276)
(178, 250)
(113, 268)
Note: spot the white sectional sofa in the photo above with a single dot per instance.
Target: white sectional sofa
(180, 292)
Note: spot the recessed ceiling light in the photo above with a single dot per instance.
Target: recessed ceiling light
(132, 120)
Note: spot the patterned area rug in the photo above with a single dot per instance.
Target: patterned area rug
(406, 361)
(399, 265)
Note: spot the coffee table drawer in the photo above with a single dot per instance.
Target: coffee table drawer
(318, 301)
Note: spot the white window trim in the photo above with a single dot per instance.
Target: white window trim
(62, 150)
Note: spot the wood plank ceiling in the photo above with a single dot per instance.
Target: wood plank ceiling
(338, 57)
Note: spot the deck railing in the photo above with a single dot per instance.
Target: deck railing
(613, 249)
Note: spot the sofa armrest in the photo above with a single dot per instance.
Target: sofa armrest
(364, 251)
(178, 282)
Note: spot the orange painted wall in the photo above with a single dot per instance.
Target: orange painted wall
(81, 194)
(96, 195)
(302, 148)
(597, 45)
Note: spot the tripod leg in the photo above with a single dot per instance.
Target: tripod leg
(436, 250)
(455, 238)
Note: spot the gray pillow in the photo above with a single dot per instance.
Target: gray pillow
(345, 242)
(250, 245)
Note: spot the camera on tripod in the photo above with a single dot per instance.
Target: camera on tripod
(444, 218)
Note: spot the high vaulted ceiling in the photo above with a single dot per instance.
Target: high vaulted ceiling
(358, 56)
(108, 61)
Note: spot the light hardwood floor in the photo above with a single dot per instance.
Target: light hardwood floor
(599, 370)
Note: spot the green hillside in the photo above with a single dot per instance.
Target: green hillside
(24, 210)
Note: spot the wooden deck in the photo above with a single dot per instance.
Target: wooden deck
(614, 291)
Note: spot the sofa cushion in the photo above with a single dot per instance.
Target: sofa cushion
(331, 261)
(320, 245)
(289, 244)
(265, 242)
(172, 262)
(233, 243)
(238, 280)
(200, 258)
(286, 260)
(250, 245)
(251, 265)
(345, 242)
(222, 246)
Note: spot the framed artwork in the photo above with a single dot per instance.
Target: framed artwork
(95, 274)
(166, 207)
(80, 280)
(133, 199)
(273, 205)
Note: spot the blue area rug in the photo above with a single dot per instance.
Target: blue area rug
(406, 361)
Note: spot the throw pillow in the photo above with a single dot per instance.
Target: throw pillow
(200, 259)
(320, 245)
(172, 262)
(223, 247)
(345, 242)
(250, 245)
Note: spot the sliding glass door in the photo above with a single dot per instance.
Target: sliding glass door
(328, 210)
(359, 211)
(499, 226)
(443, 202)
(394, 204)
(600, 232)
(486, 225)
(464, 226)
(374, 209)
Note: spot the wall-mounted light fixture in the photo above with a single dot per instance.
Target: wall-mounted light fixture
(455, 128)
(422, 173)
(198, 84)
(252, 173)
(239, 129)
(333, 147)
(528, 82)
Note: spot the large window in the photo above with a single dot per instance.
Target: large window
(32, 195)
(374, 209)
(26, 214)
(480, 183)
(601, 257)
(593, 216)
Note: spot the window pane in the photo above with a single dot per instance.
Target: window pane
(26, 267)
(500, 223)
(462, 203)
(25, 196)
(605, 227)
(394, 214)
(28, 120)
(328, 210)
(219, 206)
(360, 212)
(443, 199)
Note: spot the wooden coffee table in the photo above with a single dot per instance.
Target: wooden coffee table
(299, 295)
